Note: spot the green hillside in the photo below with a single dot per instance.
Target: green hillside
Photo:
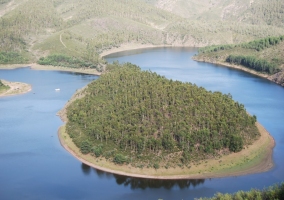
(261, 12)
(139, 117)
(263, 55)
(34, 29)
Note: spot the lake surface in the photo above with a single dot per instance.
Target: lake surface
(33, 165)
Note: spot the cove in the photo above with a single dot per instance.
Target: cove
(33, 163)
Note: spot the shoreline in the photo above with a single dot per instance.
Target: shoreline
(133, 46)
(238, 67)
(129, 47)
(15, 88)
(255, 158)
(35, 66)
(198, 172)
(259, 160)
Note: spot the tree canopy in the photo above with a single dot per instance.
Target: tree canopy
(140, 117)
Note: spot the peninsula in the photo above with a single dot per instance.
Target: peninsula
(167, 131)
(8, 88)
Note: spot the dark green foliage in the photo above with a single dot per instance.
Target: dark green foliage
(156, 166)
(85, 147)
(252, 62)
(256, 45)
(11, 58)
(66, 61)
(236, 143)
(97, 150)
(275, 192)
(146, 116)
(3, 87)
(263, 43)
(185, 157)
(119, 159)
(1, 84)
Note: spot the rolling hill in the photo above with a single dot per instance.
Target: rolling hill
(32, 29)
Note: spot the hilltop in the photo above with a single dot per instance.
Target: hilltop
(79, 31)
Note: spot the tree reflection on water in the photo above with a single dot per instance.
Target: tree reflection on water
(143, 183)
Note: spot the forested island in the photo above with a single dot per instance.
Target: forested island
(143, 120)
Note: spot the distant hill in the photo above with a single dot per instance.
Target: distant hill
(260, 12)
(31, 29)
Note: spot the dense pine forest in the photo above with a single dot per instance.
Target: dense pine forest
(139, 117)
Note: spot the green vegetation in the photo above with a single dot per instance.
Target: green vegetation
(84, 29)
(251, 62)
(263, 55)
(3, 87)
(139, 117)
(275, 192)
(11, 58)
(67, 61)
(257, 45)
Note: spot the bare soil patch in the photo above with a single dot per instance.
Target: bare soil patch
(15, 88)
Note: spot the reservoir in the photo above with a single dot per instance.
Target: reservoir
(33, 165)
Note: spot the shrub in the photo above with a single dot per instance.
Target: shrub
(85, 147)
(119, 159)
(97, 150)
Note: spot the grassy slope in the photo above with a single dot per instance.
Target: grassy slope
(261, 12)
(33, 27)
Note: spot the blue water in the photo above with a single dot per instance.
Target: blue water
(33, 165)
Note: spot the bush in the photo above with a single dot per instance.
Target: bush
(236, 143)
(97, 150)
(156, 166)
(119, 159)
(85, 147)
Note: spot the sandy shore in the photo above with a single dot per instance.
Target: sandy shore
(133, 46)
(15, 88)
(225, 64)
(253, 159)
(36, 66)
